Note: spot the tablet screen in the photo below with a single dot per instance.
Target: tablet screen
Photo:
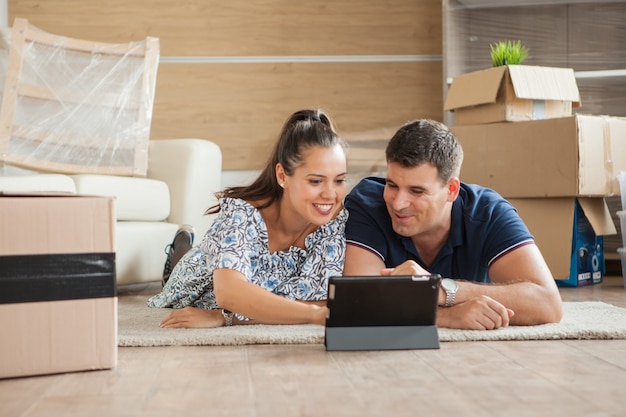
(382, 300)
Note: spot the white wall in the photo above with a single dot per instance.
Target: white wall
(4, 13)
(234, 178)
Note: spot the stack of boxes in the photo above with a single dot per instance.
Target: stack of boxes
(520, 138)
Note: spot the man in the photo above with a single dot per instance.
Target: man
(422, 219)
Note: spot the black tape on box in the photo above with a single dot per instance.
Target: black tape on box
(32, 278)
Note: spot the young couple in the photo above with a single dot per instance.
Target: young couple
(269, 253)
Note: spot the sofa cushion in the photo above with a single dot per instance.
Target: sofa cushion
(140, 249)
(35, 183)
(136, 199)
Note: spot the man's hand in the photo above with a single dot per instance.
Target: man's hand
(478, 313)
(193, 317)
(405, 268)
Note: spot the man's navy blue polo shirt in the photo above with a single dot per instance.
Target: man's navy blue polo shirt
(484, 227)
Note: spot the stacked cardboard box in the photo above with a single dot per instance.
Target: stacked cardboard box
(58, 310)
(520, 138)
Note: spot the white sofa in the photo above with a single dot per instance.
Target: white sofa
(183, 175)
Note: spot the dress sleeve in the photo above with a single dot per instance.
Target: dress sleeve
(233, 239)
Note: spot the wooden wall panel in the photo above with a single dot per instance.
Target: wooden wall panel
(242, 106)
(245, 27)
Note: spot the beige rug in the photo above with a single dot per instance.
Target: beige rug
(139, 326)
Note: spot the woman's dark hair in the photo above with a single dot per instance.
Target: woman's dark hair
(426, 141)
(303, 130)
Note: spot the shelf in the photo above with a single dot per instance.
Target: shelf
(481, 4)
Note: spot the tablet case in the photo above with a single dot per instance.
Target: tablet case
(382, 312)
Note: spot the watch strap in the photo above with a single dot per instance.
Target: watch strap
(450, 292)
(450, 296)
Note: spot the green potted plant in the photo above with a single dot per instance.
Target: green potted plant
(508, 53)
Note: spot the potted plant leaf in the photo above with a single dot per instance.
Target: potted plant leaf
(508, 53)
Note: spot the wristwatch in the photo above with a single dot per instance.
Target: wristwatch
(450, 287)
(228, 317)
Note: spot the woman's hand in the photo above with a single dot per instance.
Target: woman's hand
(193, 317)
(319, 314)
(319, 311)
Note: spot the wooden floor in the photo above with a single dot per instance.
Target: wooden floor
(525, 378)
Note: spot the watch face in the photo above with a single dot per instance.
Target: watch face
(449, 284)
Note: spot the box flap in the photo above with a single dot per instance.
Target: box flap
(598, 214)
(601, 139)
(550, 221)
(616, 148)
(5, 193)
(544, 83)
(529, 83)
(594, 160)
(474, 88)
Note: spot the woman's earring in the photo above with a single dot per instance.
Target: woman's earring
(282, 184)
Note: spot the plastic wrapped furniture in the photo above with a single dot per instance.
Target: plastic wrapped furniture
(77, 106)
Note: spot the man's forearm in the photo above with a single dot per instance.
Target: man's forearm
(532, 303)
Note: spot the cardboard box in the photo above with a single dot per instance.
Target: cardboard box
(512, 93)
(58, 305)
(569, 232)
(565, 157)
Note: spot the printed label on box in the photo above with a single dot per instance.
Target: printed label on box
(587, 261)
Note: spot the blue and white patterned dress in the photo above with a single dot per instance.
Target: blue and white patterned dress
(237, 239)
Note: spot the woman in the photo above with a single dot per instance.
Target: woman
(269, 253)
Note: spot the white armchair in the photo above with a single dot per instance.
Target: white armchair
(182, 177)
(191, 169)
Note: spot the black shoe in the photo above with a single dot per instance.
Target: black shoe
(183, 241)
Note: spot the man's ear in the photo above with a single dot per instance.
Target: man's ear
(454, 187)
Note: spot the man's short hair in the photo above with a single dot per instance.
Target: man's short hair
(426, 141)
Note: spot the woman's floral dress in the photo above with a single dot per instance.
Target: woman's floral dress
(237, 239)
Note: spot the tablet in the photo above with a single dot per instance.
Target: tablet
(403, 300)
